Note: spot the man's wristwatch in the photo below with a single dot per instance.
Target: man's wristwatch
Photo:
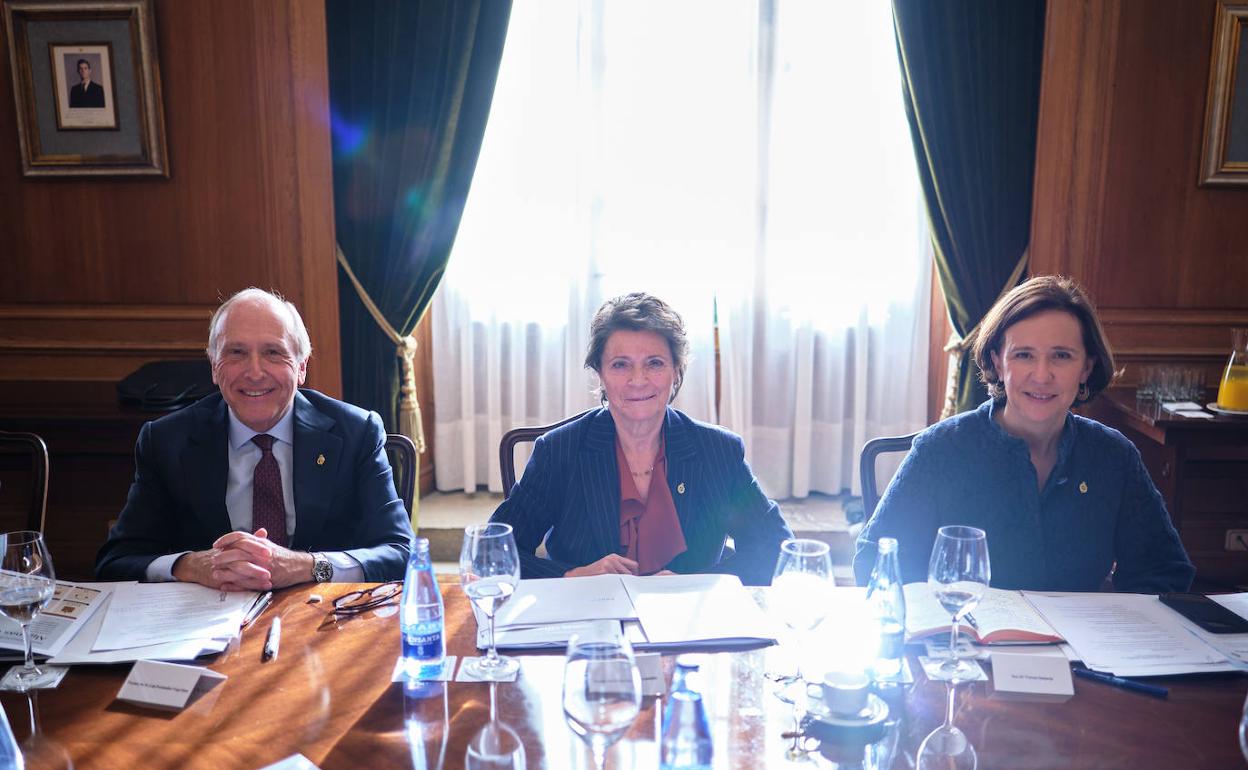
(322, 570)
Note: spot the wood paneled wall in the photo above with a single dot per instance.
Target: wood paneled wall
(101, 275)
(1117, 204)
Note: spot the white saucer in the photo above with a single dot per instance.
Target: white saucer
(1222, 410)
(875, 713)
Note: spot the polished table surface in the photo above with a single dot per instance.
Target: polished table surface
(328, 696)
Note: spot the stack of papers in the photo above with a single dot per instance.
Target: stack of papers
(1134, 634)
(657, 612)
(156, 621)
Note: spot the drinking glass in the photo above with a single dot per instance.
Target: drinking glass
(601, 688)
(489, 569)
(958, 575)
(800, 587)
(799, 596)
(947, 747)
(26, 586)
(495, 746)
(1243, 730)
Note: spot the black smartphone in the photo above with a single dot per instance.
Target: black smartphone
(1206, 613)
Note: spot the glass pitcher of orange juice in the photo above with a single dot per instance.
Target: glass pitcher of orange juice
(1233, 392)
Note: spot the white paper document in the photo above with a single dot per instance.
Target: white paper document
(1127, 634)
(78, 650)
(565, 600)
(660, 612)
(680, 609)
(72, 605)
(155, 613)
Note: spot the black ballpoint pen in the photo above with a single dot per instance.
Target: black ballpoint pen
(1126, 684)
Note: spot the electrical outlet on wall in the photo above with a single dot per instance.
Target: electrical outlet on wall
(1237, 540)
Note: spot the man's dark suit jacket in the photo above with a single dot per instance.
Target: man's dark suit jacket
(92, 96)
(571, 490)
(346, 503)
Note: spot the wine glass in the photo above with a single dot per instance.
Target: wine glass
(800, 586)
(489, 569)
(495, 746)
(27, 583)
(1243, 730)
(799, 597)
(947, 747)
(601, 688)
(958, 575)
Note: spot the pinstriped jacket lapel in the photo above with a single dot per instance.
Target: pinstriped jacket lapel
(600, 484)
(682, 466)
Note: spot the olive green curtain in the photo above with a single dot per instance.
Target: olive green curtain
(971, 80)
(410, 85)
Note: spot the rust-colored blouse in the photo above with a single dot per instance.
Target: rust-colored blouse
(650, 532)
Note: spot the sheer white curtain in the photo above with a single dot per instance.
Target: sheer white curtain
(692, 150)
(825, 344)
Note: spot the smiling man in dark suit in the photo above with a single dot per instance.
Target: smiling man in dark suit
(263, 485)
(86, 93)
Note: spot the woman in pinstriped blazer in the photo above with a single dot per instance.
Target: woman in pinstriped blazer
(637, 487)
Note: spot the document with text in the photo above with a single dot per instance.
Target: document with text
(659, 612)
(155, 613)
(72, 605)
(1127, 634)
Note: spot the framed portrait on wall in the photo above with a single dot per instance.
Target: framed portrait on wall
(86, 83)
(82, 77)
(1224, 155)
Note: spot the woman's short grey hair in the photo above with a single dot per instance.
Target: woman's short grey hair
(638, 312)
(300, 343)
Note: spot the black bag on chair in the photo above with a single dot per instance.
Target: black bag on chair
(164, 386)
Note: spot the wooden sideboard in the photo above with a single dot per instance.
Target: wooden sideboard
(1201, 469)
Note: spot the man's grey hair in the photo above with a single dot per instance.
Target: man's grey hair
(300, 343)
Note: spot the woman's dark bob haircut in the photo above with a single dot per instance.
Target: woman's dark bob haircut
(638, 312)
(1044, 292)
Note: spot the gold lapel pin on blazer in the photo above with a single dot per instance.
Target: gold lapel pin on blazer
(320, 459)
(1083, 487)
(680, 488)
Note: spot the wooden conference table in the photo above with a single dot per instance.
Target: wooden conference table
(328, 696)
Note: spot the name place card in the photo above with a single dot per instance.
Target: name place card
(1031, 673)
(167, 686)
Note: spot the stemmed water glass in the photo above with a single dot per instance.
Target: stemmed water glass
(27, 583)
(958, 575)
(489, 569)
(947, 747)
(799, 596)
(601, 688)
(495, 746)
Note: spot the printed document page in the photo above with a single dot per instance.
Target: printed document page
(1233, 646)
(79, 648)
(1127, 634)
(153, 613)
(675, 609)
(71, 606)
(563, 600)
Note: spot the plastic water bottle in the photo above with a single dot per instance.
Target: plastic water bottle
(888, 607)
(420, 616)
(686, 741)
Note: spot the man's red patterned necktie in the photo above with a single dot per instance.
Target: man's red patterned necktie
(268, 509)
